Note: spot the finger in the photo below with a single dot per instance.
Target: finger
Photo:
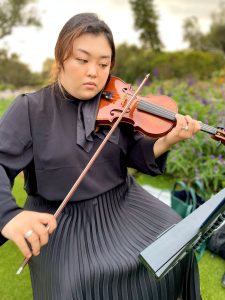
(42, 231)
(194, 124)
(181, 121)
(35, 243)
(179, 118)
(22, 245)
(190, 123)
(198, 125)
(48, 220)
(182, 125)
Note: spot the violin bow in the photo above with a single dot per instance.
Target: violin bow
(90, 163)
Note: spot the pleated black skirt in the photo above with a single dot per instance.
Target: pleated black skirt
(93, 253)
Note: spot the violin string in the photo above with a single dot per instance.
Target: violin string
(170, 115)
(156, 110)
(208, 128)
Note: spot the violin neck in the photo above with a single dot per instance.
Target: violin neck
(164, 113)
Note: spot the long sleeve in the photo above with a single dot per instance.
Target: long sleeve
(15, 155)
(140, 156)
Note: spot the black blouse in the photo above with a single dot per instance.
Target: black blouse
(41, 135)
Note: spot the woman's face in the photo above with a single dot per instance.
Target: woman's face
(87, 69)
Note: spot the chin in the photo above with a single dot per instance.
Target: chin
(87, 96)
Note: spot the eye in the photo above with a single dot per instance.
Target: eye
(81, 60)
(104, 65)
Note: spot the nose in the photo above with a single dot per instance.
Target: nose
(92, 70)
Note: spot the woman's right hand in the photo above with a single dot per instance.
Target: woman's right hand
(40, 225)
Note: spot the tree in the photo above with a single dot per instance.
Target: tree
(15, 13)
(216, 35)
(192, 33)
(48, 70)
(146, 22)
(214, 40)
(132, 62)
(15, 73)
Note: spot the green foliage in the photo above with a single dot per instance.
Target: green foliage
(48, 71)
(15, 13)
(133, 63)
(6, 86)
(192, 33)
(214, 40)
(197, 64)
(145, 21)
(15, 73)
(197, 158)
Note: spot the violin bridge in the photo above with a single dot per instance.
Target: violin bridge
(124, 100)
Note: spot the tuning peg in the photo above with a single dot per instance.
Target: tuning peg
(221, 127)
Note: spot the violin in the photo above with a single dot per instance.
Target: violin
(152, 115)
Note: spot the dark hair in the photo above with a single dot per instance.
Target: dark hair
(75, 27)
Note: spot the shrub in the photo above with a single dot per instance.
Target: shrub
(133, 63)
(199, 157)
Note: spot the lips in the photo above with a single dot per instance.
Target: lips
(90, 83)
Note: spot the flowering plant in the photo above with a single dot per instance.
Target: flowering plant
(198, 158)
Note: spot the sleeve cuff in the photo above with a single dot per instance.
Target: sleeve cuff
(5, 220)
(141, 157)
(2, 240)
(9, 216)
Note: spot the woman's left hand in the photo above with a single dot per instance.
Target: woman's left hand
(185, 128)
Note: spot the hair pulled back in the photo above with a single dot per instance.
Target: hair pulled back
(74, 28)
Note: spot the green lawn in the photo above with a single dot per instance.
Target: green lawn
(211, 270)
(14, 287)
(4, 104)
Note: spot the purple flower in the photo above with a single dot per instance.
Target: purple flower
(161, 90)
(155, 73)
(190, 81)
(204, 101)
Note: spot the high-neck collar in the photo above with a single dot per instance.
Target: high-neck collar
(86, 119)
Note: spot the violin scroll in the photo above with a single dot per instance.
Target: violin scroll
(220, 136)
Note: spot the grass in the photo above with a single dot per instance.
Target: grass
(12, 286)
(211, 269)
(160, 182)
(4, 104)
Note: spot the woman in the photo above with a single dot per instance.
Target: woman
(92, 252)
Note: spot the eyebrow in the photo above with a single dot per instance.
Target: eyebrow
(86, 52)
